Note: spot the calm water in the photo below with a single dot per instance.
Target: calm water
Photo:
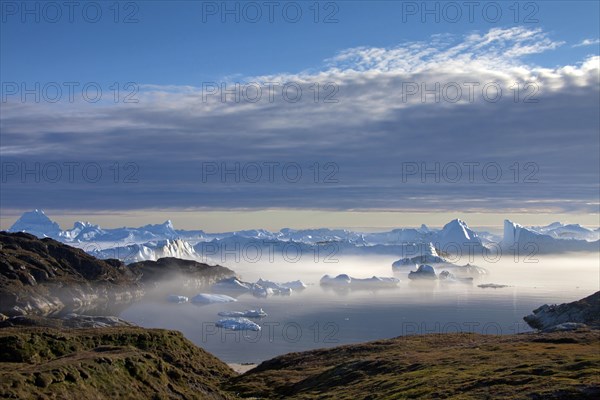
(319, 317)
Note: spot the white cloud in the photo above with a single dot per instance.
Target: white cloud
(373, 128)
(587, 42)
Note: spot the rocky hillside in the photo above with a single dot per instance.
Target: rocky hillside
(107, 363)
(560, 365)
(43, 277)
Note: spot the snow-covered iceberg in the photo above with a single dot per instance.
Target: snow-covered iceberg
(36, 223)
(207, 298)
(429, 255)
(262, 288)
(529, 242)
(244, 314)
(232, 284)
(149, 251)
(238, 324)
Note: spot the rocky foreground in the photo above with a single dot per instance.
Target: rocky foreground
(137, 363)
(97, 357)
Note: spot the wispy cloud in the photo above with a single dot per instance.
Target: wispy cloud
(587, 42)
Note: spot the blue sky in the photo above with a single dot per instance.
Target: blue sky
(356, 153)
(170, 43)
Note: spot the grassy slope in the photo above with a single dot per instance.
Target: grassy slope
(107, 363)
(461, 366)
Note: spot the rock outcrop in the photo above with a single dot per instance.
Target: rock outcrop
(567, 315)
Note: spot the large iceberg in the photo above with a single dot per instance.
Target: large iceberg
(238, 324)
(529, 242)
(36, 223)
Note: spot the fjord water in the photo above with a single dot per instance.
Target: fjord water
(322, 317)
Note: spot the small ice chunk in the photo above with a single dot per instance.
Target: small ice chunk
(238, 324)
(206, 298)
(245, 314)
(340, 280)
(423, 272)
(173, 298)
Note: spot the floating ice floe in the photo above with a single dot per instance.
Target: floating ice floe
(245, 314)
(344, 280)
(238, 324)
(206, 298)
(173, 298)
(492, 286)
(262, 288)
(451, 278)
(232, 284)
(294, 285)
(423, 272)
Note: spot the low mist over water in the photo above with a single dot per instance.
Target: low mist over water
(323, 317)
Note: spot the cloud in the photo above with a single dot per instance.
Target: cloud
(427, 105)
(587, 42)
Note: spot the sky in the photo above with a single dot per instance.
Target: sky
(303, 114)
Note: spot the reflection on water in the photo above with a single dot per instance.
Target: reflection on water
(321, 317)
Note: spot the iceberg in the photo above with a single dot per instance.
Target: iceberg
(429, 256)
(173, 298)
(36, 223)
(451, 278)
(262, 288)
(295, 285)
(233, 284)
(238, 324)
(340, 280)
(244, 314)
(552, 239)
(206, 298)
(344, 280)
(282, 288)
(423, 272)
